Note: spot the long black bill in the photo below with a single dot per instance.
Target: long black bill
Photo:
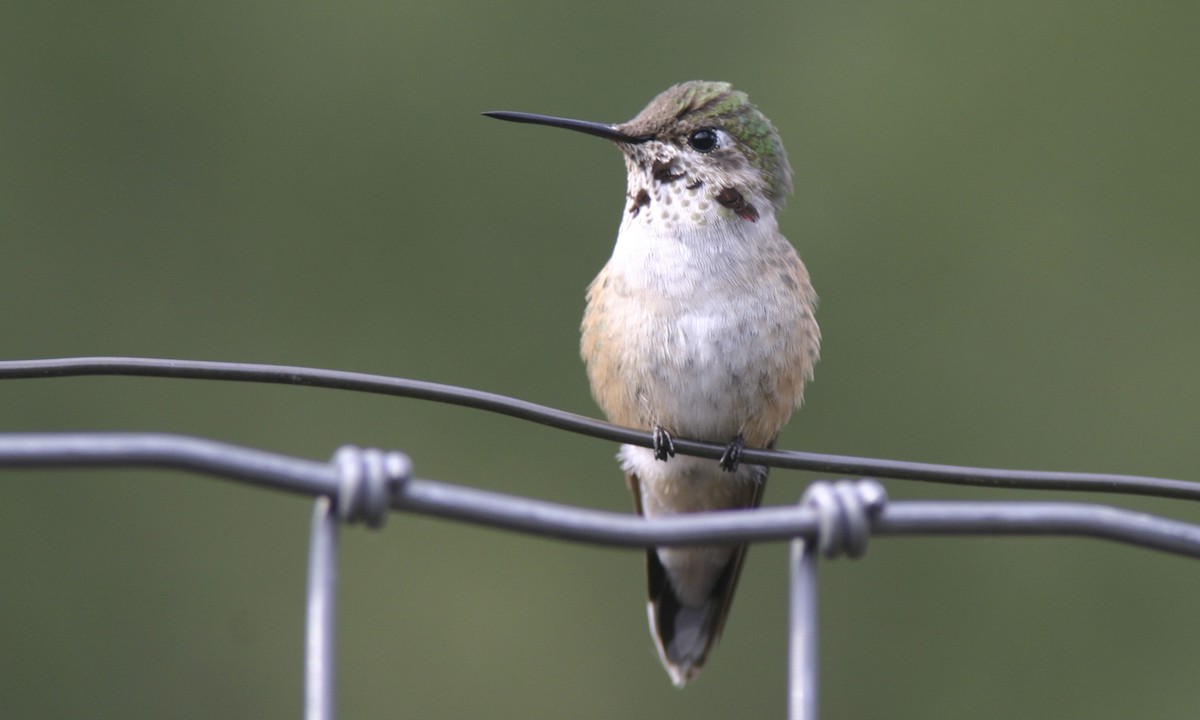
(607, 132)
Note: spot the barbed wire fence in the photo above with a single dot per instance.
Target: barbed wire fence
(363, 485)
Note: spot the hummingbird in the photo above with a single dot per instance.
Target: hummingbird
(699, 326)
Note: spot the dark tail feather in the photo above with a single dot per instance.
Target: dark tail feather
(684, 634)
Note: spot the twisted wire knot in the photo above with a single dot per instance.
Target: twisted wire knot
(366, 480)
(844, 511)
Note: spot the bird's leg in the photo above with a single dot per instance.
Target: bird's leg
(732, 457)
(664, 446)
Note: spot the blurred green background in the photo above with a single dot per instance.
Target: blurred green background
(998, 203)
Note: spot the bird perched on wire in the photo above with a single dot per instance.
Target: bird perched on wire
(700, 326)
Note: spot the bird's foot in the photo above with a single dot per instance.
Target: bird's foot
(732, 457)
(664, 446)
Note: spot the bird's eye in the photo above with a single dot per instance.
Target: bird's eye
(703, 140)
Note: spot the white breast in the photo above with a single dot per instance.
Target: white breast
(698, 314)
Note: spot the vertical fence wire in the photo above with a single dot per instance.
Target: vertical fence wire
(802, 631)
(320, 663)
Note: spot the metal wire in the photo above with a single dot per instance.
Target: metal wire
(845, 512)
(366, 479)
(538, 517)
(803, 688)
(320, 617)
(360, 485)
(491, 402)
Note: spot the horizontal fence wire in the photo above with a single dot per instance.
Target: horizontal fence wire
(566, 522)
(363, 485)
(492, 402)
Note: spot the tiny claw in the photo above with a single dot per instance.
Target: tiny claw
(732, 457)
(664, 446)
